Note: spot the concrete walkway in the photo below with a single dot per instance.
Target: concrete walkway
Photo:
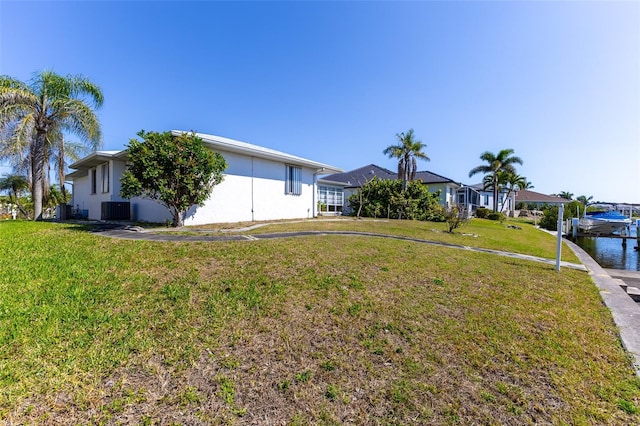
(625, 312)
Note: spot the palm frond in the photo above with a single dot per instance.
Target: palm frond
(80, 119)
(7, 82)
(480, 169)
(82, 87)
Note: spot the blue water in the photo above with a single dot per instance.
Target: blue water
(610, 253)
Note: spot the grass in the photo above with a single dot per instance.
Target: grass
(307, 330)
(482, 233)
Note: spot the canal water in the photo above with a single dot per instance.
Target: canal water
(610, 253)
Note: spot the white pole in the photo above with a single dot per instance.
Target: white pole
(559, 246)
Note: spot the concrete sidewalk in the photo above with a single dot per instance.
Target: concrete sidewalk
(625, 312)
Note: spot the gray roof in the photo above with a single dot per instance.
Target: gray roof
(357, 177)
(526, 196)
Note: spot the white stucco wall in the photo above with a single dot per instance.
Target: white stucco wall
(253, 189)
(83, 199)
(489, 204)
(447, 194)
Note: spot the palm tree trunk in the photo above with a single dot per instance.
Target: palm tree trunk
(37, 173)
(495, 193)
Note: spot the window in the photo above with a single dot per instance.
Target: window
(105, 177)
(330, 199)
(94, 178)
(293, 180)
(486, 200)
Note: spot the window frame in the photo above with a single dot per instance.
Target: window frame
(330, 199)
(293, 180)
(105, 177)
(93, 179)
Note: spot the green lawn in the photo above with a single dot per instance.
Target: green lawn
(524, 238)
(307, 330)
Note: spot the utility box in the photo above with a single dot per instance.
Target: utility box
(115, 210)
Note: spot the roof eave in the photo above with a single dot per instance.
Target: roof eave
(95, 159)
(239, 147)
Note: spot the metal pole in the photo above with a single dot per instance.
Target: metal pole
(559, 246)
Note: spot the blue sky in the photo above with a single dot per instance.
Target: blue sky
(558, 82)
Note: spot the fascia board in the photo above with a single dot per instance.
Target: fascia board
(94, 159)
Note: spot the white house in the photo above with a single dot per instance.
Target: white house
(485, 199)
(508, 205)
(259, 184)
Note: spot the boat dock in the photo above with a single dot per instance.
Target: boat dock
(573, 231)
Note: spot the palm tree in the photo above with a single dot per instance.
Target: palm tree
(566, 195)
(527, 185)
(513, 183)
(55, 197)
(503, 161)
(31, 115)
(584, 200)
(61, 150)
(406, 151)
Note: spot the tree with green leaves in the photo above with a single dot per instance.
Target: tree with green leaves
(407, 151)
(33, 115)
(502, 161)
(178, 171)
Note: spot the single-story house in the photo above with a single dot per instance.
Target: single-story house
(334, 190)
(259, 184)
(485, 198)
(527, 197)
(508, 205)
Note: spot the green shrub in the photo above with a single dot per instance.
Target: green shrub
(550, 219)
(385, 198)
(482, 212)
(496, 216)
(455, 217)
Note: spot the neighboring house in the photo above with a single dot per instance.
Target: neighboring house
(528, 197)
(468, 198)
(259, 184)
(335, 189)
(485, 199)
